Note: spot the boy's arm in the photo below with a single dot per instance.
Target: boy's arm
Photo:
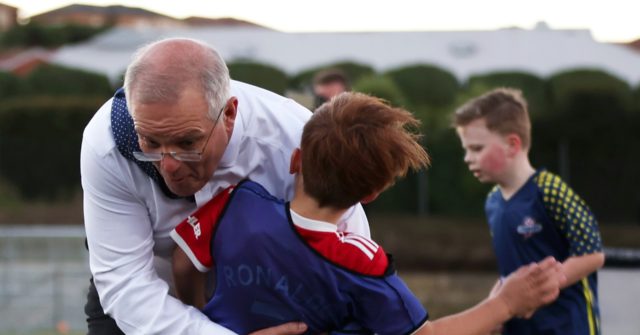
(577, 224)
(519, 294)
(578, 267)
(192, 257)
(189, 282)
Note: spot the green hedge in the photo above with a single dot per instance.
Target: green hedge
(426, 85)
(9, 85)
(354, 72)
(261, 75)
(533, 88)
(382, 87)
(40, 143)
(58, 80)
(589, 139)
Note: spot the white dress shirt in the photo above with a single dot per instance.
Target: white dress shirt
(128, 218)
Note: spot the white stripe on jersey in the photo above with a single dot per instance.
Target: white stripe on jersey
(360, 246)
(369, 248)
(373, 246)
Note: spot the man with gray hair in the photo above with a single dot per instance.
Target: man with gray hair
(180, 132)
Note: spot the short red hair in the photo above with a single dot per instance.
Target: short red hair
(356, 145)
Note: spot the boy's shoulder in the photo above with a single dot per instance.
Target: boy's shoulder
(552, 188)
(546, 179)
(349, 251)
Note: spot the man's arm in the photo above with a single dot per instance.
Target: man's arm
(519, 295)
(120, 240)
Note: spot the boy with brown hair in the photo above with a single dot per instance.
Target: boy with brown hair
(532, 214)
(277, 262)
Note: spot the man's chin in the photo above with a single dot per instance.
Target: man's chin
(183, 189)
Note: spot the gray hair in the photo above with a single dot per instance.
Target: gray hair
(160, 71)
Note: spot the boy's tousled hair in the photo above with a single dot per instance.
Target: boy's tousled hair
(504, 111)
(356, 145)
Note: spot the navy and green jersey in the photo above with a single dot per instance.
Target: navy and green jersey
(546, 218)
(273, 266)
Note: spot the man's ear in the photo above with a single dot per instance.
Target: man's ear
(514, 143)
(295, 165)
(230, 113)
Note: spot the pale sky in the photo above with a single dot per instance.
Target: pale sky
(608, 20)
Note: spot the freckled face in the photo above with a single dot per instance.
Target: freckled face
(485, 151)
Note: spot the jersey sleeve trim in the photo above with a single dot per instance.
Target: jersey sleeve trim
(350, 252)
(194, 235)
(182, 244)
(421, 324)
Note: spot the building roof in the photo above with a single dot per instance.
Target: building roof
(17, 61)
(541, 51)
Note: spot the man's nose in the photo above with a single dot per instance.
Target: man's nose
(169, 164)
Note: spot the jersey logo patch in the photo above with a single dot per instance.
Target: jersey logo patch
(529, 227)
(195, 224)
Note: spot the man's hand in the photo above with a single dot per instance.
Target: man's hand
(531, 287)
(291, 328)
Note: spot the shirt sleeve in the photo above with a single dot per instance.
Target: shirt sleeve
(195, 233)
(120, 241)
(387, 306)
(571, 215)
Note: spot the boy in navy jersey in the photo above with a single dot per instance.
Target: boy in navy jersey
(532, 213)
(277, 262)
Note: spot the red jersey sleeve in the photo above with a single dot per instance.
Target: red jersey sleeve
(350, 251)
(194, 234)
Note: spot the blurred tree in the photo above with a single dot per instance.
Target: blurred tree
(33, 34)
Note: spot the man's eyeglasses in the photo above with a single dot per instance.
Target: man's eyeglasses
(185, 156)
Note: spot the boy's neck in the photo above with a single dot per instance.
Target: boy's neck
(515, 177)
(307, 206)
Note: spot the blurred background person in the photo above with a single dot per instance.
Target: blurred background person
(329, 83)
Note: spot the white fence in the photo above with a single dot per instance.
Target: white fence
(44, 276)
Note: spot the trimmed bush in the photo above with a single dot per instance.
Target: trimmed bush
(261, 75)
(533, 88)
(589, 138)
(40, 144)
(426, 85)
(381, 87)
(353, 71)
(58, 80)
(9, 85)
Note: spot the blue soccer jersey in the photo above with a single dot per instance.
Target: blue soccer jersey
(274, 266)
(546, 218)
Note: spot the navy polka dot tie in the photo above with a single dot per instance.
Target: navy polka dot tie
(126, 139)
